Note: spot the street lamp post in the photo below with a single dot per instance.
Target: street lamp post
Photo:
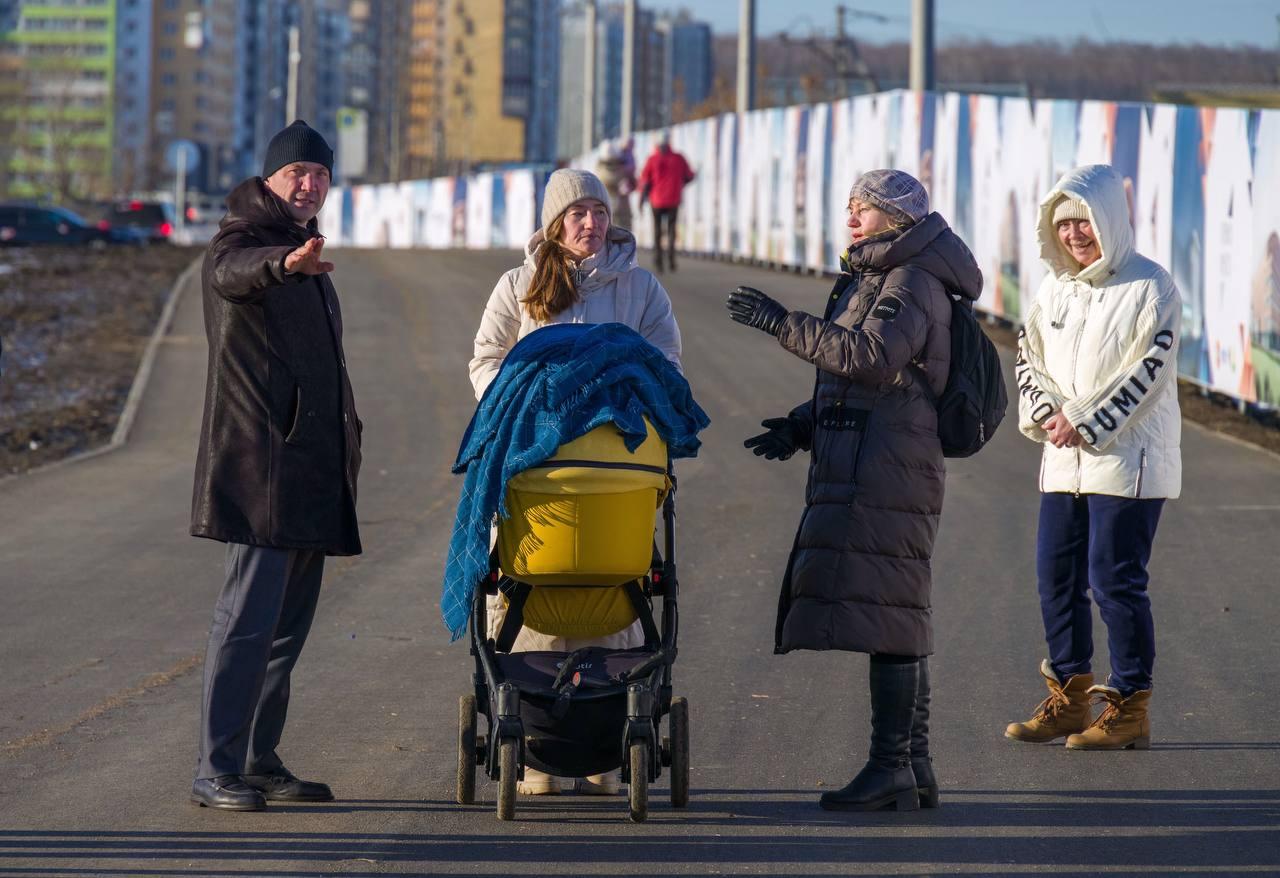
(922, 45)
(628, 67)
(295, 57)
(589, 79)
(747, 56)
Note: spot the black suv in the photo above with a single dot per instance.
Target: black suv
(152, 219)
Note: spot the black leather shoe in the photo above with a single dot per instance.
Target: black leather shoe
(282, 786)
(227, 792)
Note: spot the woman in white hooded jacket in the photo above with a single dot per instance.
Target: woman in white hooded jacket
(578, 268)
(1097, 380)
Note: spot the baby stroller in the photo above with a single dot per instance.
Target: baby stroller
(578, 558)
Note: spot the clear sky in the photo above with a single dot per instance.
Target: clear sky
(1150, 21)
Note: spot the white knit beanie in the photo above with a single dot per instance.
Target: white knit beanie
(1068, 208)
(568, 185)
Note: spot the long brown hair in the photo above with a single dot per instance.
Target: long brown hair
(552, 289)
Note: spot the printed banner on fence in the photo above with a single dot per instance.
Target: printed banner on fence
(772, 185)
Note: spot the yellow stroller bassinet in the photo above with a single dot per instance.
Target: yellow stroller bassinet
(581, 529)
(577, 558)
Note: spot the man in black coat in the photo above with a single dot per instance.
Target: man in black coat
(276, 473)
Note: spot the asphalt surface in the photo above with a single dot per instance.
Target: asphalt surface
(105, 603)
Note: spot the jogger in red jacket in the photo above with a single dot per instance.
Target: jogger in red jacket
(662, 181)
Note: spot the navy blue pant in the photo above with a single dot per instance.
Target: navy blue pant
(1103, 542)
(260, 623)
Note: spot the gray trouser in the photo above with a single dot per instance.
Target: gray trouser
(260, 623)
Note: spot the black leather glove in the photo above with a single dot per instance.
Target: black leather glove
(754, 308)
(779, 443)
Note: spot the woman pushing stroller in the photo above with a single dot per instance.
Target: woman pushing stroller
(858, 578)
(578, 268)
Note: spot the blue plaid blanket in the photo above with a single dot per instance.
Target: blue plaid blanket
(556, 384)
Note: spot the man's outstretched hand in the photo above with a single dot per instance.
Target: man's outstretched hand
(306, 259)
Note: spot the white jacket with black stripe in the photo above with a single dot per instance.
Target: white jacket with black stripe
(1100, 344)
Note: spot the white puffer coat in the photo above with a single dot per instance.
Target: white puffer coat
(611, 289)
(1100, 344)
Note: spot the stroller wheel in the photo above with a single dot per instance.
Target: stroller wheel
(679, 751)
(508, 769)
(466, 793)
(639, 790)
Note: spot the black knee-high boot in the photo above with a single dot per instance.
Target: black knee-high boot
(921, 764)
(886, 781)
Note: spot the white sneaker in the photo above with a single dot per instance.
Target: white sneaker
(537, 783)
(607, 784)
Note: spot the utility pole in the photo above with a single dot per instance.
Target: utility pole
(747, 56)
(628, 67)
(295, 56)
(180, 192)
(589, 80)
(922, 46)
(1278, 43)
(844, 57)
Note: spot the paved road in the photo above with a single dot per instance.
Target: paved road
(106, 602)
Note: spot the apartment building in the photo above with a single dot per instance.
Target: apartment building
(57, 66)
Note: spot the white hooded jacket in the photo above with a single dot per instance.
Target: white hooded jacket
(1100, 344)
(611, 289)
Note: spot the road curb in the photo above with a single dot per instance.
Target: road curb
(137, 389)
(143, 375)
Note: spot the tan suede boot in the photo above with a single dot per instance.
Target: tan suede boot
(537, 783)
(1064, 712)
(1123, 725)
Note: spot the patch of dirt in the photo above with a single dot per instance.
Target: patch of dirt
(1216, 411)
(74, 323)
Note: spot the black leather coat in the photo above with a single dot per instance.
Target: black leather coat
(280, 442)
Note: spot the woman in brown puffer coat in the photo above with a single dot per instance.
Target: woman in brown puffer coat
(858, 578)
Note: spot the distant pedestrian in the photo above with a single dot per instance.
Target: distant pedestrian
(858, 578)
(276, 473)
(1096, 369)
(619, 177)
(662, 183)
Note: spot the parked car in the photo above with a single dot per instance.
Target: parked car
(22, 224)
(156, 219)
(205, 210)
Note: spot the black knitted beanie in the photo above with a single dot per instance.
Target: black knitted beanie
(297, 143)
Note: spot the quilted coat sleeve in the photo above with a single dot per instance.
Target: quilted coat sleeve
(802, 416)
(243, 269)
(1038, 394)
(892, 335)
(498, 333)
(658, 323)
(1149, 365)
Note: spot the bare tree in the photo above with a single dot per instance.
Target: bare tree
(1044, 69)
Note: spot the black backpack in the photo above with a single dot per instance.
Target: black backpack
(973, 403)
